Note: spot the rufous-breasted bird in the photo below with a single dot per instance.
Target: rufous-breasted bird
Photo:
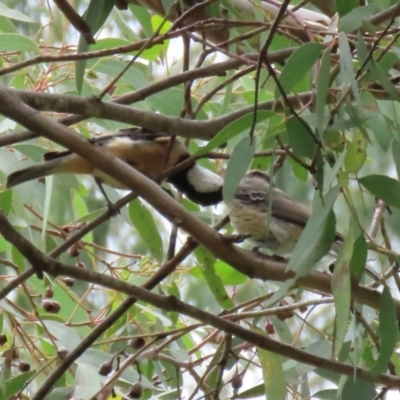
(142, 149)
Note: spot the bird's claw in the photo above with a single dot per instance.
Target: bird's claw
(235, 238)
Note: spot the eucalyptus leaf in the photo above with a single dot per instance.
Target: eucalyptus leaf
(238, 164)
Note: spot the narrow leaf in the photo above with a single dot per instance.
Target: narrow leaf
(356, 154)
(341, 290)
(274, 379)
(95, 16)
(388, 331)
(233, 129)
(322, 89)
(346, 67)
(359, 258)
(143, 221)
(238, 164)
(297, 66)
(206, 262)
(396, 155)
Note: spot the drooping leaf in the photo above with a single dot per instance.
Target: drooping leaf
(388, 331)
(12, 13)
(383, 187)
(206, 262)
(358, 389)
(143, 221)
(273, 376)
(233, 129)
(95, 16)
(354, 17)
(343, 7)
(346, 67)
(341, 290)
(16, 42)
(322, 89)
(356, 154)
(298, 64)
(238, 164)
(300, 137)
(359, 258)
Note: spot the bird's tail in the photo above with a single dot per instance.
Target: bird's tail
(33, 172)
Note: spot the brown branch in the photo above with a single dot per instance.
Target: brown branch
(171, 304)
(76, 20)
(90, 107)
(240, 259)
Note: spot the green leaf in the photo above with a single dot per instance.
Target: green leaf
(95, 16)
(273, 376)
(143, 221)
(317, 236)
(168, 102)
(327, 394)
(298, 64)
(320, 348)
(387, 189)
(14, 385)
(300, 137)
(61, 393)
(14, 14)
(233, 129)
(359, 258)
(238, 164)
(345, 6)
(322, 89)
(382, 78)
(346, 67)
(228, 275)
(378, 125)
(108, 43)
(358, 389)
(7, 26)
(314, 242)
(341, 290)
(16, 42)
(84, 374)
(6, 201)
(355, 18)
(143, 17)
(388, 331)
(206, 262)
(356, 153)
(396, 155)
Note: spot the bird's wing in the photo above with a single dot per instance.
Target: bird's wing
(135, 134)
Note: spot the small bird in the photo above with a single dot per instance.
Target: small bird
(274, 222)
(142, 149)
(266, 215)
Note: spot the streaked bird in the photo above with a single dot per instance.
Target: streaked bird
(266, 215)
(270, 218)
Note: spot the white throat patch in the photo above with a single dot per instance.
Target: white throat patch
(203, 180)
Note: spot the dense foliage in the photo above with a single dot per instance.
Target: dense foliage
(308, 93)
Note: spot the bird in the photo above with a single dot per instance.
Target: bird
(264, 214)
(149, 152)
(260, 212)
